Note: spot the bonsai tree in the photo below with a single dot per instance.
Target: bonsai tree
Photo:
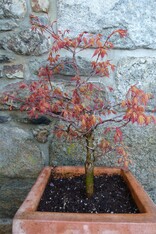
(85, 106)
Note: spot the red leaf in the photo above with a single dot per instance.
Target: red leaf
(23, 86)
(85, 40)
(107, 130)
(96, 52)
(122, 32)
(118, 135)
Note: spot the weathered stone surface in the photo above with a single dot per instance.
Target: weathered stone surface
(35, 65)
(6, 25)
(12, 8)
(41, 134)
(13, 89)
(12, 193)
(1, 72)
(1, 44)
(66, 153)
(138, 17)
(6, 226)
(26, 42)
(4, 119)
(4, 58)
(83, 64)
(40, 5)
(19, 155)
(137, 71)
(142, 151)
(14, 71)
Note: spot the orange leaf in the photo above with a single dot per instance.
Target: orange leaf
(93, 119)
(123, 103)
(141, 120)
(83, 123)
(133, 117)
(99, 43)
(148, 120)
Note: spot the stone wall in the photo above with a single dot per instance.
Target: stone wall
(27, 145)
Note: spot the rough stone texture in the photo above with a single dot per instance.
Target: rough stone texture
(4, 58)
(12, 9)
(12, 193)
(137, 71)
(1, 46)
(41, 134)
(35, 64)
(1, 72)
(142, 148)
(138, 17)
(6, 226)
(19, 155)
(13, 71)
(40, 5)
(83, 63)
(6, 25)
(4, 119)
(13, 89)
(26, 42)
(66, 153)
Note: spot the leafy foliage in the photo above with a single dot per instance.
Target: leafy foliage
(82, 109)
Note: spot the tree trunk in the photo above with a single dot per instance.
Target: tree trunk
(89, 166)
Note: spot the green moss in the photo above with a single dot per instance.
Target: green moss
(32, 159)
(71, 148)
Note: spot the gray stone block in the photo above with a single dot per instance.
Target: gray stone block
(7, 25)
(4, 58)
(12, 193)
(84, 66)
(66, 153)
(19, 155)
(136, 71)
(96, 16)
(26, 42)
(13, 9)
(4, 119)
(14, 71)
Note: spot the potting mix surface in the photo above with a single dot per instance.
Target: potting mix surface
(68, 195)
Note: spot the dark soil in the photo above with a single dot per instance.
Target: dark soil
(68, 195)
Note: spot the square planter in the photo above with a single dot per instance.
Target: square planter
(29, 221)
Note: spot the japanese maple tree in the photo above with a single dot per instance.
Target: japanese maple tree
(82, 109)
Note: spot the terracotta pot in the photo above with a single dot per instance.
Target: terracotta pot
(29, 221)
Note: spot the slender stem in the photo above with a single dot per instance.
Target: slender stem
(89, 166)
